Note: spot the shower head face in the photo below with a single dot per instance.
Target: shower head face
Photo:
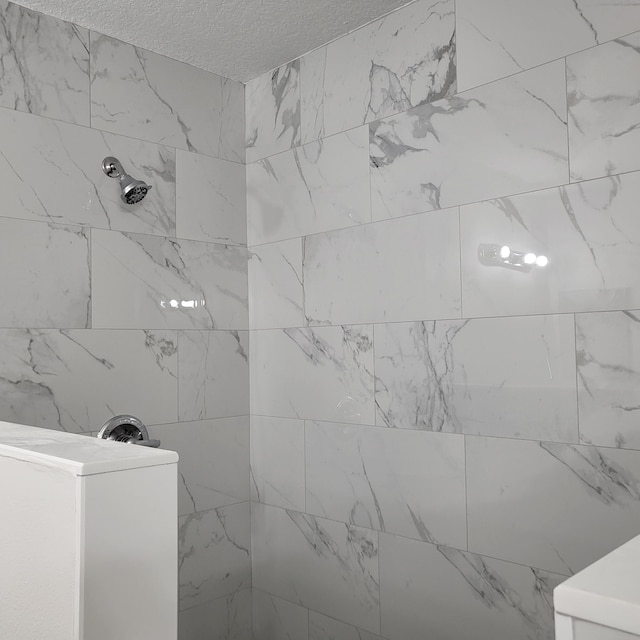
(133, 191)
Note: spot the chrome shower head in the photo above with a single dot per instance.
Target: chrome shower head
(132, 190)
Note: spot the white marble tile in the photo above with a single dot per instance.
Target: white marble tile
(324, 373)
(149, 281)
(604, 108)
(327, 566)
(589, 232)
(496, 38)
(509, 377)
(45, 65)
(608, 355)
(226, 618)
(214, 552)
(405, 59)
(325, 628)
(272, 108)
(213, 470)
(76, 380)
(388, 271)
(278, 462)
(405, 482)
(275, 285)
(214, 374)
(211, 203)
(44, 275)
(429, 591)
(173, 103)
(52, 171)
(472, 146)
(320, 186)
(553, 506)
(277, 619)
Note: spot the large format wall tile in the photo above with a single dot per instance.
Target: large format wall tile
(510, 377)
(335, 569)
(437, 592)
(275, 285)
(142, 281)
(211, 203)
(324, 373)
(76, 380)
(52, 171)
(215, 553)
(405, 59)
(608, 354)
(173, 102)
(389, 271)
(45, 65)
(278, 462)
(214, 374)
(214, 461)
(407, 482)
(44, 275)
(553, 506)
(496, 38)
(590, 233)
(320, 186)
(325, 628)
(277, 619)
(226, 618)
(503, 138)
(272, 106)
(604, 108)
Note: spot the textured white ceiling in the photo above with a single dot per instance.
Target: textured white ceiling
(239, 39)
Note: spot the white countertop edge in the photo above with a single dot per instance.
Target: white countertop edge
(79, 455)
(597, 608)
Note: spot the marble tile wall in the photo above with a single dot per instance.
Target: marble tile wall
(438, 437)
(112, 309)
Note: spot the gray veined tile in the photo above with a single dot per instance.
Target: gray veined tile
(325, 373)
(469, 147)
(325, 628)
(403, 482)
(405, 59)
(393, 270)
(497, 38)
(430, 591)
(52, 171)
(275, 285)
(211, 203)
(608, 354)
(214, 553)
(320, 186)
(273, 112)
(226, 618)
(214, 374)
(142, 281)
(509, 377)
(276, 618)
(554, 506)
(45, 65)
(589, 232)
(604, 108)
(44, 275)
(144, 95)
(278, 462)
(335, 570)
(76, 380)
(213, 470)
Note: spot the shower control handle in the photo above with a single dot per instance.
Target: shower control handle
(128, 429)
(144, 443)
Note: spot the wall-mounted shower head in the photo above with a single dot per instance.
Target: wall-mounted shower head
(132, 190)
